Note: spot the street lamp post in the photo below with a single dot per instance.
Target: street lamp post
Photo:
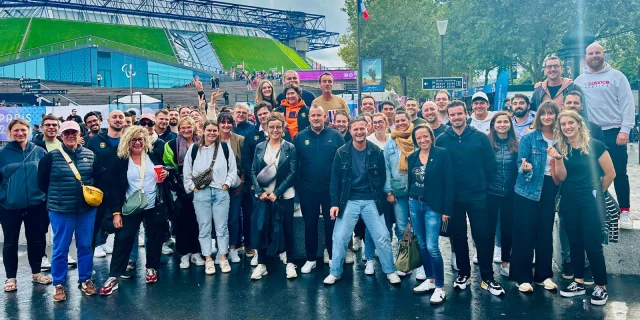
(442, 30)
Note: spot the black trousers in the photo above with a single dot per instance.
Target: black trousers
(35, 227)
(310, 204)
(100, 215)
(503, 206)
(533, 221)
(619, 157)
(583, 215)
(246, 211)
(287, 227)
(186, 228)
(124, 240)
(482, 232)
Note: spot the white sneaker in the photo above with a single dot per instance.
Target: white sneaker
(420, 275)
(166, 250)
(141, 238)
(425, 286)
(370, 267)
(291, 271)
(214, 249)
(438, 296)
(331, 279)
(326, 258)
(357, 243)
(283, 257)
(349, 258)
(254, 260)
(402, 274)
(197, 259)
(497, 254)
(233, 256)
(170, 242)
(224, 266)
(308, 266)
(108, 248)
(454, 263)
(475, 257)
(99, 252)
(209, 267)
(71, 262)
(46, 264)
(258, 272)
(626, 222)
(393, 278)
(184, 261)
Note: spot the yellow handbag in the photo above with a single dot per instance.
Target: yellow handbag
(92, 195)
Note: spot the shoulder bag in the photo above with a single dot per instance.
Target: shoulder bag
(202, 180)
(136, 202)
(92, 195)
(268, 173)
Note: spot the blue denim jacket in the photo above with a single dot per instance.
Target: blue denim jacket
(391, 159)
(533, 148)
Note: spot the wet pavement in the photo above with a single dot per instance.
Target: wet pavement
(190, 294)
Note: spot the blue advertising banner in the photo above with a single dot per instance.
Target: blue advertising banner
(32, 114)
(372, 77)
(501, 88)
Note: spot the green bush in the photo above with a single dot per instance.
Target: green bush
(257, 53)
(48, 31)
(11, 34)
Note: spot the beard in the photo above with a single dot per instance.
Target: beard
(520, 113)
(173, 123)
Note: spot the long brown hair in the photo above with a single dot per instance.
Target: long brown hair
(260, 97)
(512, 141)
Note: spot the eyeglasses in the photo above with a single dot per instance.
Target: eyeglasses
(381, 122)
(147, 123)
(553, 66)
(278, 128)
(69, 133)
(50, 125)
(137, 140)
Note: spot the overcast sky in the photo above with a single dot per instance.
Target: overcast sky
(335, 19)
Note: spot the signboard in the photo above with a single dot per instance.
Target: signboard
(30, 81)
(351, 86)
(372, 77)
(452, 83)
(338, 75)
(29, 86)
(240, 66)
(40, 91)
(32, 114)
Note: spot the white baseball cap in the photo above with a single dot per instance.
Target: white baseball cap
(480, 95)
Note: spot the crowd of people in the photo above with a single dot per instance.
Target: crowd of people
(218, 185)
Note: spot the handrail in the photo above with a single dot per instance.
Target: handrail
(97, 41)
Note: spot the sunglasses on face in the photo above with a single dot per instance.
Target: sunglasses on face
(147, 123)
(137, 140)
(69, 133)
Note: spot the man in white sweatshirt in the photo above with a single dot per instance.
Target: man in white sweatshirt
(608, 94)
(481, 117)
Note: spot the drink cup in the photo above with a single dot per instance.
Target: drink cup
(158, 169)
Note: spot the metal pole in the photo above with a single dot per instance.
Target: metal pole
(359, 59)
(442, 56)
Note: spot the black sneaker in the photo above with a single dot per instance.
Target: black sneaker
(599, 296)
(567, 271)
(461, 282)
(493, 287)
(572, 290)
(588, 277)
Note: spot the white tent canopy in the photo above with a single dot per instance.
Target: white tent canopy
(138, 98)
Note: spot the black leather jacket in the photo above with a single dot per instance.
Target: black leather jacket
(341, 176)
(504, 181)
(286, 175)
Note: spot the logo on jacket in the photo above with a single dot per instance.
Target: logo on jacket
(306, 142)
(85, 159)
(304, 115)
(102, 145)
(256, 138)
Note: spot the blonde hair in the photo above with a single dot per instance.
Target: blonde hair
(260, 97)
(187, 119)
(17, 121)
(562, 142)
(124, 151)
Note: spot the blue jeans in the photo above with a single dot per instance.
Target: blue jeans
(212, 204)
(346, 222)
(369, 247)
(426, 225)
(401, 211)
(64, 226)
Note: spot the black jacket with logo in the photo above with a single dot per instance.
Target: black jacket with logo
(315, 158)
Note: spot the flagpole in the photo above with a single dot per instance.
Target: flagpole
(358, 54)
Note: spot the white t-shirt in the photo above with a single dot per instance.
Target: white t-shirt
(150, 185)
(269, 157)
(378, 143)
(547, 165)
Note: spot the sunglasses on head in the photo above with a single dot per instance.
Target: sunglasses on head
(146, 123)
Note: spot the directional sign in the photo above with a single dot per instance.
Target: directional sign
(451, 83)
(38, 91)
(351, 86)
(30, 86)
(29, 81)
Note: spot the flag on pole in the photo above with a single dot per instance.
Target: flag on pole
(362, 9)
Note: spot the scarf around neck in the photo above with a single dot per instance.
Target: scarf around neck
(182, 147)
(404, 141)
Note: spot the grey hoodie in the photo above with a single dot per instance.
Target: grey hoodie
(19, 176)
(609, 96)
(521, 129)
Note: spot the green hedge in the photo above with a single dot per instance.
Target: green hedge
(48, 31)
(11, 32)
(257, 53)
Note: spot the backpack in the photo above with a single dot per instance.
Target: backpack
(225, 149)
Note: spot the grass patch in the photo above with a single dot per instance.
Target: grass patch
(296, 58)
(11, 32)
(257, 53)
(48, 31)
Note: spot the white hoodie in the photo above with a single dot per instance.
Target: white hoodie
(609, 97)
(482, 125)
